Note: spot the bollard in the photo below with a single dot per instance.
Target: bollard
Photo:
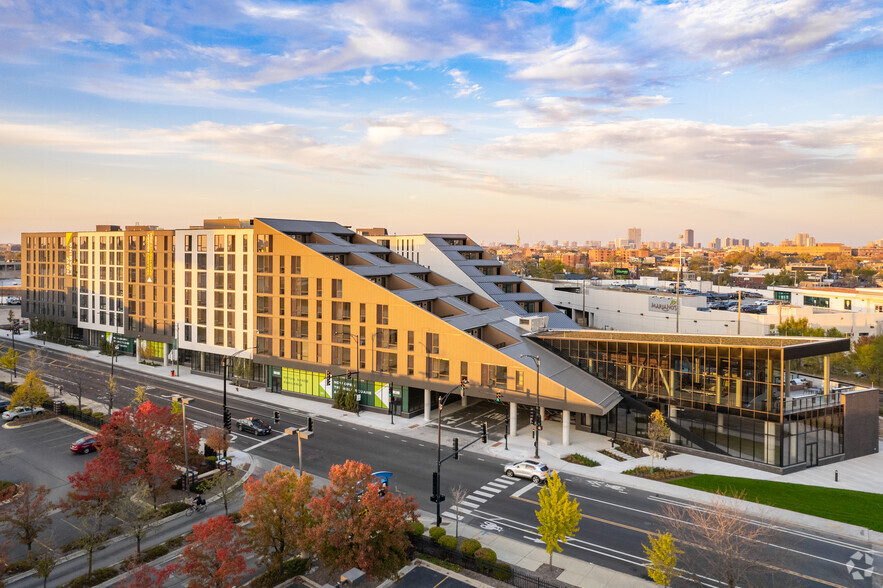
(836, 475)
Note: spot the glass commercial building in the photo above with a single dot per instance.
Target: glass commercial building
(732, 396)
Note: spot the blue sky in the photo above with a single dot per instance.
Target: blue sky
(564, 119)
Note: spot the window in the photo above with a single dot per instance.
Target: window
(231, 243)
(382, 314)
(265, 244)
(362, 312)
(318, 286)
(847, 305)
(300, 286)
(818, 301)
(436, 368)
(299, 329)
(188, 243)
(300, 307)
(410, 365)
(201, 244)
(219, 242)
(387, 362)
(295, 264)
(340, 311)
(387, 338)
(464, 370)
(264, 284)
(336, 288)
(264, 264)
(318, 309)
(318, 331)
(341, 334)
(494, 376)
(519, 381)
(410, 340)
(298, 350)
(432, 343)
(340, 355)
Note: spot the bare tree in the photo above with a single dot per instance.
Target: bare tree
(226, 485)
(76, 390)
(27, 514)
(459, 493)
(136, 513)
(722, 541)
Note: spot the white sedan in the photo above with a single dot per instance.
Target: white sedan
(536, 471)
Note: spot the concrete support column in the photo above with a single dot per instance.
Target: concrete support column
(464, 400)
(565, 427)
(673, 416)
(513, 419)
(165, 354)
(826, 367)
(769, 442)
(427, 404)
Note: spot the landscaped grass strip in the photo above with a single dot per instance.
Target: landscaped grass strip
(864, 509)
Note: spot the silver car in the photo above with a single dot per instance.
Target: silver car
(20, 411)
(535, 470)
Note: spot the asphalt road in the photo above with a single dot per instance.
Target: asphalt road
(616, 519)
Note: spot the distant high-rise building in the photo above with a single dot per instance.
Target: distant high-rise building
(801, 239)
(744, 242)
(555, 243)
(634, 235)
(688, 237)
(715, 243)
(518, 239)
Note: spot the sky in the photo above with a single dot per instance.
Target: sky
(559, 119)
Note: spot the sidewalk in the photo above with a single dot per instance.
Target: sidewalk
(858, 474)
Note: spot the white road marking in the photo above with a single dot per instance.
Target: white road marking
(491, 489)
(485, 494)
(469, 504)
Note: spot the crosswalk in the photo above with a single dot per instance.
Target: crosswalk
(478, 497)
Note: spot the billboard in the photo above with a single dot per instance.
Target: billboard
(621, 271)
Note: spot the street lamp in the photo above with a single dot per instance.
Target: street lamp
(678, 286)
(224, 363)
(184, 402)
(301, 434)
(13, 331)
(539, 418)
(441, 405)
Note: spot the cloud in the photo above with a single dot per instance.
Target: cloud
(386, 129)
(835, 154)
(462, 84)
(561, 110)
(737, 32)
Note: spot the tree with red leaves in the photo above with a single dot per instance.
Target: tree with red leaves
(27, 513)
(149, 443)
(146, 576)
(276, 508)
(215, 555)
(94, 494)
(358, 526)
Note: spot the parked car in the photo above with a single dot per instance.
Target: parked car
(253, 425)
(84, 444)
(21, 411)
(4, 404)
(536, 471)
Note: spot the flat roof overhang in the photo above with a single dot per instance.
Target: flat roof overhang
(792, 347)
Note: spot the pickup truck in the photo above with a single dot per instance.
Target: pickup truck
(21, 411)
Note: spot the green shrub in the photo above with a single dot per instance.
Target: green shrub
(503, 571)
(486, 554)
(98, 415)
(581, 460)
(167, 510)
(486, 558)
(4, 484)
(175, 543)
(291, 568)
(153, 553)
(19, 566)
(212, 459)
(202, 486)
(86, 412)
(236, 517)
(437, 533)
(416, 528)
(99, 576)
(448, 541)
(470, 546)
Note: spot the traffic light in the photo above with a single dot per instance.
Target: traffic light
(499, 397)
(436, 495)
(533, 416)
(463, 382)
(484, 432)
(327, 377)
(227, 420)
(276, 416)
(539, 426)
(309, 423)
(456, 448)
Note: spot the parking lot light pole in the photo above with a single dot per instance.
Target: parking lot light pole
(539, 418)
(184, 402)
(14, 365)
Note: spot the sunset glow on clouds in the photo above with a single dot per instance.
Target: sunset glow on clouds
(561, 119)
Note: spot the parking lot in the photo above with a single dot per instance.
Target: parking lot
(39, 453)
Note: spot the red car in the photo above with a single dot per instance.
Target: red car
(84, 445)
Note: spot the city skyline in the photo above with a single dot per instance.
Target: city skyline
(757, 120)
